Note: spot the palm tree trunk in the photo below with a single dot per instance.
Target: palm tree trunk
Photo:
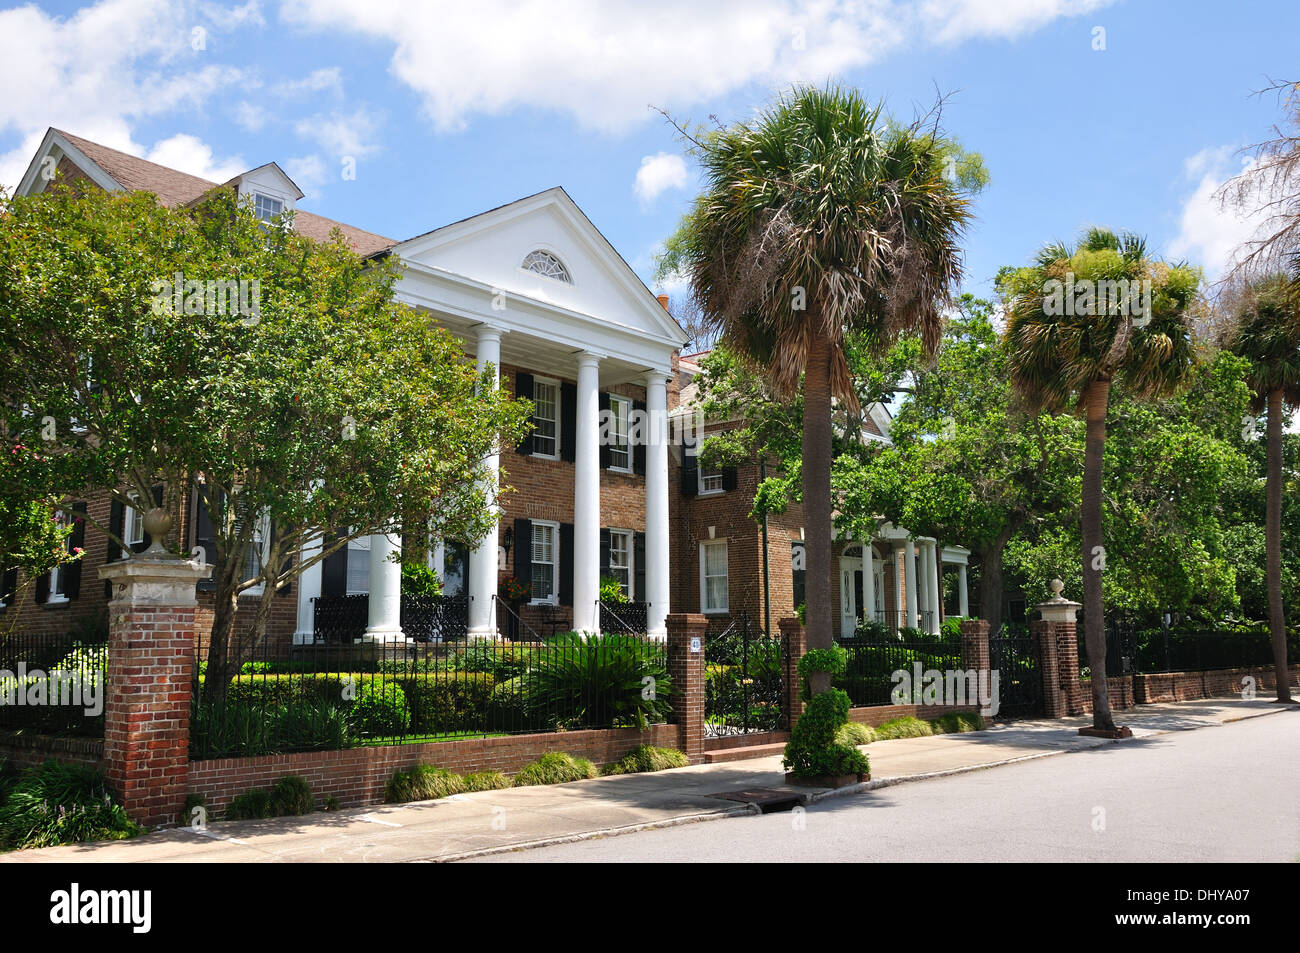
(1094, 553)
(817, 500)
(1273, 546)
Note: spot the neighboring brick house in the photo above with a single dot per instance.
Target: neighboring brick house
(532, 288)
(718, 549)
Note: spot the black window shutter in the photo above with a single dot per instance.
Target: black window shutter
(638, 448)
(690, 473)
(72, 585)
(569, 422)
(42, 593)
(638, 566)
(204, 534)
(524, 552)
(148, 540)
(604, 553)
(566, 564)
(603, 407)
(730, 478)
(9, 586)
(334, 570)
(524, 388)
(115, 524)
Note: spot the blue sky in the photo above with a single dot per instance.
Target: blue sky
(452, 109)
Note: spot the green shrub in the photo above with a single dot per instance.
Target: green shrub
(813, 751)
(419, 580)
(950, 629)
(291, 797)
(958, 721)
(855, 733)
(250, 806)
(500, 661)
(647, 758)
(424, 782)
(599, 682)
(871, 630)
(611, 591)
(192, 801)
(85, 659)
(448, 701)
(908, 727)
(555, 767)
(486, 781)
(380, 710)
(56, 803)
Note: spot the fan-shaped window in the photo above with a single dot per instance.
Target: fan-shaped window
(544, 263)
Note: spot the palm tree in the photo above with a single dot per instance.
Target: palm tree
(819, 219)
(1265, 329)
(1071, 336)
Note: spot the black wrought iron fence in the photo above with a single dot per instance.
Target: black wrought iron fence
(869, 675)
(340, 620)
(744, 683)
(628, 617)
(1137, 645)
(53, 683)
(339, 696)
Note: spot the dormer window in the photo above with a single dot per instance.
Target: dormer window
(546, 264)
(265, 207)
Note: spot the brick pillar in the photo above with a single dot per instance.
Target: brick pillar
(150, 668)
(1058, 653)
(794, 642)
(975, 655)
(686, 668)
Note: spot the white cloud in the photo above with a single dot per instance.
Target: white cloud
(342, 135)
(657, 174)
(603, 63)
(1210, 233)
(309, 173)
(191, 154)
(98, 72)
(328, 79)
(250, 117)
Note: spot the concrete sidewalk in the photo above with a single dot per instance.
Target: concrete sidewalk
(487, 822)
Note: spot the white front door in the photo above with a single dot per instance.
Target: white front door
(850, 595)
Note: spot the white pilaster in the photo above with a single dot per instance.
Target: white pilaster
(483, 558)
(909, 581)
(309, 583)
(868, 581)
(932, 582)
(586, 497)
(656, 506)
(963, 597)
(385, 621)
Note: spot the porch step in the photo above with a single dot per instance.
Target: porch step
(742, 754)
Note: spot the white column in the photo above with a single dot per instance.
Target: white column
(483, 558)
(963, 597)
(385, 622)
(922, 587)
(868, 581)
(657, 556)
(932, 581)
(909, 581)
(586, 497)
(309, 582)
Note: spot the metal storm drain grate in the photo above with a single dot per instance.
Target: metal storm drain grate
(767, 800)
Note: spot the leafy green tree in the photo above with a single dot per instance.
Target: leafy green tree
(1266, 331)
(820, 218)
(1076, 324)
(318, 409)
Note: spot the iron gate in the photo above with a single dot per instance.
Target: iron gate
(1014, 657)
(744, 688)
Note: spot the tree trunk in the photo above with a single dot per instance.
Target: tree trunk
(817, 501)
(1094, 554)
(991, 589)
(225, 601)
(1273, 546)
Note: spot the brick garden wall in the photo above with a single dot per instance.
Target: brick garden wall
(1126, 691)
(357, 776)
(26, 751)
(877, 715)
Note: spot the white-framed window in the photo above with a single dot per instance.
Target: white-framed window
(59, 574)
(546, 562)
(546, 418)
(713, 576)
(547, 265)
(133, 524)
(620, 449)
(257, 552)
(265, 207)
(710, 481)
(621, 556)
(359, 566)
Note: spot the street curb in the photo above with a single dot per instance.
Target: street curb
(745, 810)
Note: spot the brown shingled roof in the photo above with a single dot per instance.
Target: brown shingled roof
(177, 188)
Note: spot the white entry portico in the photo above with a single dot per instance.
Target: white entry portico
(535, 285)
